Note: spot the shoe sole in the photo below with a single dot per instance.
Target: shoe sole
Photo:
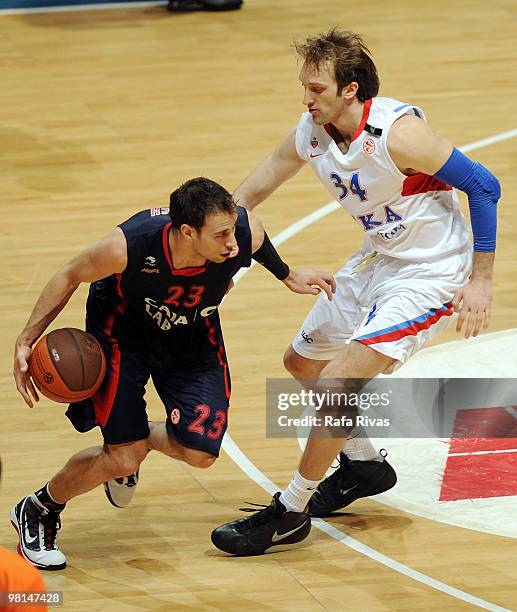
(269, 551)
(19, 548)
(213, 9)
(381, 487)
(183, 11)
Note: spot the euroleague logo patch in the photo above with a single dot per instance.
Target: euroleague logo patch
(369, 146)
(175, 416)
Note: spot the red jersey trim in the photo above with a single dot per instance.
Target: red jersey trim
(194, 271)
(422, 183)
(220, 356)
(364, 119)
(165, 242)
(189, 271)
(366, 113)
(410, 330)
(105, 396)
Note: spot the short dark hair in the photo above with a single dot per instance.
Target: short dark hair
(349, 56)
(192, 201)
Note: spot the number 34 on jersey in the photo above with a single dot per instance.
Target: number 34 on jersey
(354, 187)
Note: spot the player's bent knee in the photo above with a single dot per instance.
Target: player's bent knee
(293, 363)
(288, 359)
(198, 459)
(125, 459)
(120, 467)
(302, 368)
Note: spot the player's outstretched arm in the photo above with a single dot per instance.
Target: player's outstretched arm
(280, 166)
(414, 147)
(105, 257)
(306, 281)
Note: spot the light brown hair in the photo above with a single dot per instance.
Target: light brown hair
(348, 57)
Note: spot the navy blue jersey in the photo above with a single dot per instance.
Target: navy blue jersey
(169, 315)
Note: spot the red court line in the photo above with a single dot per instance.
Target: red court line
(479, 477)
(483, 429)
(471, 476)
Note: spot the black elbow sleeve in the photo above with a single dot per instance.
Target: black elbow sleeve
(268, 257)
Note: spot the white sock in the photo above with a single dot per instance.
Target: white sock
(296, 497)
(359, 448)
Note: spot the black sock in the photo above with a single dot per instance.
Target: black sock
(46, 500)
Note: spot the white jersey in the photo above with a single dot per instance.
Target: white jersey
(407, 217)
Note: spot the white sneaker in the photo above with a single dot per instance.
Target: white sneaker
(120, 491)
(37, 529)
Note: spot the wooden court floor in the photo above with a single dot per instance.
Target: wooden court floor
(104, 113)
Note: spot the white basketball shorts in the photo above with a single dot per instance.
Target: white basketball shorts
(393, 306)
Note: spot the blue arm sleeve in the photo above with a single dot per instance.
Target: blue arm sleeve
(483, 191)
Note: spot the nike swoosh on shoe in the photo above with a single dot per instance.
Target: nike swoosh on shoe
(278, 537)
(345, 491)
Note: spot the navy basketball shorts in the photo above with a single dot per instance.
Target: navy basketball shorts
(196, 402)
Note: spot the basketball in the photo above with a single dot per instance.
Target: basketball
(67, 365)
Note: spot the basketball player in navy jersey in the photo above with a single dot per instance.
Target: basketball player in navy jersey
(157, 282)
(394, 175)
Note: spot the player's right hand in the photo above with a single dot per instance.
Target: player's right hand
(24, 384)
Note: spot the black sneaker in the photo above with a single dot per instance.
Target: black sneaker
(37, 529)
(352, 480)
(273, 527)
(120, 491)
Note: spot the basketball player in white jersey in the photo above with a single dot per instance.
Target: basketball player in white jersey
(394, 175)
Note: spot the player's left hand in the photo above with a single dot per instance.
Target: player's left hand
(311, 282)
(473, 302)
(21, 372)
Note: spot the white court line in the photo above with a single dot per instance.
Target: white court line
(84, 7)
(251, 470)
(485, 142)
(487, 452)
(79, 7)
